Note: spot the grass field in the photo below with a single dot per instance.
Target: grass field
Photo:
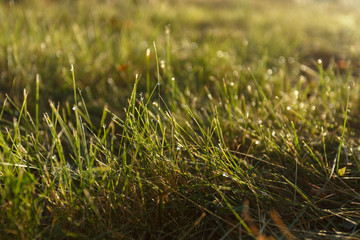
(192, 119)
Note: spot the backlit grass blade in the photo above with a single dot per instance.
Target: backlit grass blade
(343, 131)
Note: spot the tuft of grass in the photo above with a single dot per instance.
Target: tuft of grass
(236, 129)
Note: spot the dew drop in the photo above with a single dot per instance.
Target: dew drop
(303, 68)
(296, 94)
(281, 60)
(110, 81)
(162, 64)
(291, 60)
(220, 54)
(249, 88)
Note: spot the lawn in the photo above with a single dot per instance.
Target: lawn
(183, 119)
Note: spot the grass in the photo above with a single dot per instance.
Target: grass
(190, 120)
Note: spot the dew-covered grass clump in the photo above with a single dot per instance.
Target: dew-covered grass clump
(192, 119)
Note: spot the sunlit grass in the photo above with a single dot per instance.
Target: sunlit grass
(190, 120)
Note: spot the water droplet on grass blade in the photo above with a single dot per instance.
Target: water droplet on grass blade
(303, 68)
(110, 81)
(281, 60)
(291, 60)
(162, 64)
(248, 88)
(296, 94)
(220, 54)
